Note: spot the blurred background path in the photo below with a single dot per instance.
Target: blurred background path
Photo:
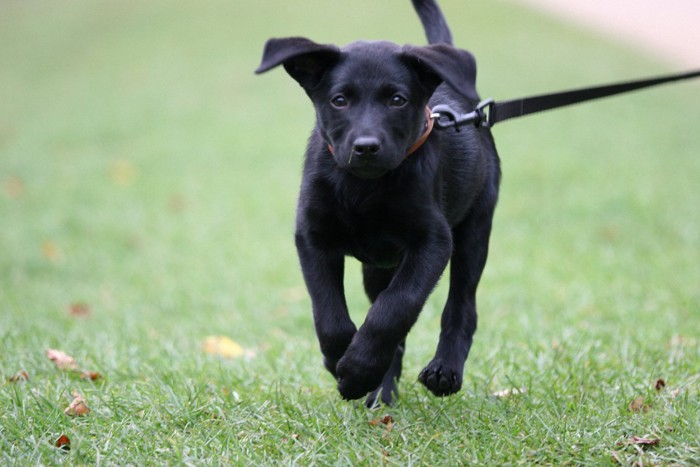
(669, 30)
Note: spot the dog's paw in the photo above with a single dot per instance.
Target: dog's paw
(354, 382)
(441, 379)
(360, 373)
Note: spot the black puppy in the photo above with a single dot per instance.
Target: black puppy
(380, 186)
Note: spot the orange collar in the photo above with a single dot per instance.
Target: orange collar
(424, 137)
(421, 139)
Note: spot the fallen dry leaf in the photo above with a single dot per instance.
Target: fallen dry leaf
(78, 407)
(65, 362)
(63, 442)
(660, 384)
(79, 309)
(19, 376)
(91, 375)
(643, 441)
(61, 359)
(294, 437)
(510, 392)
(638, 405)
(223, 347)
(387, 420)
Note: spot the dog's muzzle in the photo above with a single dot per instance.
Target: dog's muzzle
(365, 150)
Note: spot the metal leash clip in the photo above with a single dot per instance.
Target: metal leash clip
(445, 117)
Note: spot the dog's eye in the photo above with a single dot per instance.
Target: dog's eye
(339, 101)
(397, 100)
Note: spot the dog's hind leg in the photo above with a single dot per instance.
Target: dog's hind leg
(443, 375)
(375, 280)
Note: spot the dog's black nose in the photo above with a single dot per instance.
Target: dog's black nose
(366, 146)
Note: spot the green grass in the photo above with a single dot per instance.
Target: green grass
(147, 173)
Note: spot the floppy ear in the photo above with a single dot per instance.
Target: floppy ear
(304, 60)
(443, 63)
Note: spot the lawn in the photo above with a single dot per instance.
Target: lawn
(147, 192)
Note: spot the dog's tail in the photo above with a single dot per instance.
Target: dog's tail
(434, 23)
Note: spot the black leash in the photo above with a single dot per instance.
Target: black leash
(489, 112)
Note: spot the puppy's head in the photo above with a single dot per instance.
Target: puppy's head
(370, 97)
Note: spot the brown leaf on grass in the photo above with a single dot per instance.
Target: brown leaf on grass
(63, 442)
(19, 376)
(62, 360)
(387, 420)
(65, 362)
(638, 405)
(294, 437)
(642, 441)
(79, 309)
(91, 375)
(660, 384)
(78, 407)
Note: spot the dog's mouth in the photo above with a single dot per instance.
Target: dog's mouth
(368, 172)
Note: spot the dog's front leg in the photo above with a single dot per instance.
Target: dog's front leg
(393, 313)
(323, 274)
